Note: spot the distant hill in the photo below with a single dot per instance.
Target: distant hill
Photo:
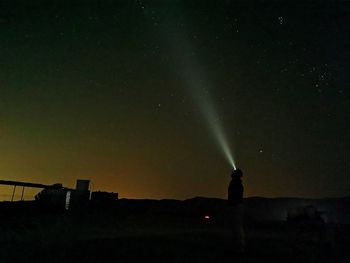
(259, 208)
(335, 210)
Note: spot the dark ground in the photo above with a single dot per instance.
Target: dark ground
(134, 234)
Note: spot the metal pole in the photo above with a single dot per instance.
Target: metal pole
(13, 193)
(22, 193)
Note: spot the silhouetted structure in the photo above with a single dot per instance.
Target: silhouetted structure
(235, 200)
(25, 184)
(103, 197)
(103, 200)
(58, 198)
(53, 198)
(235, 189)
(62, 198)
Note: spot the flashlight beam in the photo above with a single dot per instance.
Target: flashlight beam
(199, 90)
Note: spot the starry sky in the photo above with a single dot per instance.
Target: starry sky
(103, 90)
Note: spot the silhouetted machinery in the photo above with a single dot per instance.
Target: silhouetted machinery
(56, 197)
(59, 197)
(16, 184)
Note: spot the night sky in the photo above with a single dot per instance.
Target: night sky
(111, 91)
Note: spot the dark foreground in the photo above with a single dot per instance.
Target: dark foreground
(122, 235)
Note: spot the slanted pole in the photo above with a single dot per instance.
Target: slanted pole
(13, 193)
(22, 193)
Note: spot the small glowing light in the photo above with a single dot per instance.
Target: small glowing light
(280, 19)
(206, 217)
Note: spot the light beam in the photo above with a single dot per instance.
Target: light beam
(199, 87)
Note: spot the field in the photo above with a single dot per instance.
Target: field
(150, 235)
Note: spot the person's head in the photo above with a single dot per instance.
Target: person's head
(237, 173)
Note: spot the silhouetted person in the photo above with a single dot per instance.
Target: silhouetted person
(235, 201)
(235, 189)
